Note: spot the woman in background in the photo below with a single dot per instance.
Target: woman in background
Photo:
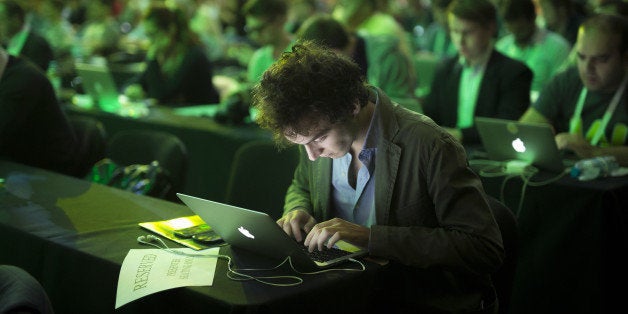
(178, 72)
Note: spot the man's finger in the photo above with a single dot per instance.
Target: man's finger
(333, 239)
(309, 225)
(296, 230)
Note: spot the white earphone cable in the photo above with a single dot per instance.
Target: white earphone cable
(237, 275)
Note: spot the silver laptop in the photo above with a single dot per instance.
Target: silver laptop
(512, 140)
(99, 84)
(259, 233)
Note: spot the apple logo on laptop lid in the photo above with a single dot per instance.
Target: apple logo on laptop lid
(246, 233)
(518, 145)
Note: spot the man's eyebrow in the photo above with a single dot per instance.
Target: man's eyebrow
(319, 134)
(603, 56)
(597, 56)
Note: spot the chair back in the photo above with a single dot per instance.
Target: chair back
(91, 141)
(260, 176)
(503, 279)
(130, 147)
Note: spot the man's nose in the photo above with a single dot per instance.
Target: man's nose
(313, 152)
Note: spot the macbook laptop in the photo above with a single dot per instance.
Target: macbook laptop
(506, 140)
(99, 85)
(259, 233)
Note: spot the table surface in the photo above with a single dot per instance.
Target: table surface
(73, 235)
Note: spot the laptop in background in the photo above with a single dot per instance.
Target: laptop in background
(533, 143)
(99, 84)
(257, 232)
(197, 110)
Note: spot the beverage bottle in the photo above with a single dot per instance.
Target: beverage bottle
(591, 168)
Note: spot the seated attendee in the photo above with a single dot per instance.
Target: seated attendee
(61, 36)
(563, 17)
(33, 128)
(379, 57)
(178, 71)
(20, 292)
(298, 12)
(617, 7)
(238, 47)
(541, 50)
(265, 25)
(19, 38)
(479, 81)
(205, 23)
(436, 40)
(587, 105)
(384, 178)
(371, 17)
(99, 35)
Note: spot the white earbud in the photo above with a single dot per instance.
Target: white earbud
(146, 239)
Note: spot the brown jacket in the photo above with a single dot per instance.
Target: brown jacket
(433, 220)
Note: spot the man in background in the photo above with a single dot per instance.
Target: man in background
(587, 104)
(18, 37)
(541, 50)
(33, 128)
(479, 81)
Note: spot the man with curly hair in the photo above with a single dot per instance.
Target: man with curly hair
(393, 182)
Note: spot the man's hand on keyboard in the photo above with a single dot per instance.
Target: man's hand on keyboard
(295, 221)
(330, 231)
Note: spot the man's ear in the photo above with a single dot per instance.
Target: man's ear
(356, 108)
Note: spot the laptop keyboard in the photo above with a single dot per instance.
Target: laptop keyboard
(326, 254)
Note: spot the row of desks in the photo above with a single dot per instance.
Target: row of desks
(210, 145)
(73, 235)
(572, 234)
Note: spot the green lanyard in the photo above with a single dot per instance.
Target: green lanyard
(575, 123)
(17, 42)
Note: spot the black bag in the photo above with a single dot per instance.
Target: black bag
(151, 179)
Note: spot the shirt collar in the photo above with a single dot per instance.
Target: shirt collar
(539, 35)
(481, 64)
(372, 135)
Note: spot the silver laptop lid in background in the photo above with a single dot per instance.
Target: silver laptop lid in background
(99, 84)
(512, 140)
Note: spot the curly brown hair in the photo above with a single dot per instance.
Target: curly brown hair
(307, 85)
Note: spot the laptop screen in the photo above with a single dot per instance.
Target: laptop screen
(99, 85)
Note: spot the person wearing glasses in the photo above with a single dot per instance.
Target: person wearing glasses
(266, 27)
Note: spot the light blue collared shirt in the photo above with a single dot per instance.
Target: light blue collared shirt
(357, 205)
